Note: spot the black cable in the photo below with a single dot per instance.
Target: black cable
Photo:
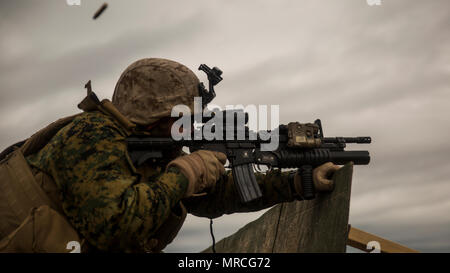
(212, 235)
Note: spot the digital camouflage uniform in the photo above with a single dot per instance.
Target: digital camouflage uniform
(113, 206)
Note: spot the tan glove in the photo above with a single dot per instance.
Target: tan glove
(201, 168)
(321, 177)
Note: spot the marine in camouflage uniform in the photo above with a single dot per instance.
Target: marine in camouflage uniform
(115, 208)
(118, 207)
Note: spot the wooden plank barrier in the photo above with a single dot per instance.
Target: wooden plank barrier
(362, 240)
(315, 226)
(318, 225)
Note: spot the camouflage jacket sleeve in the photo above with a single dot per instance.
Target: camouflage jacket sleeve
(224, 199)
(102, 196)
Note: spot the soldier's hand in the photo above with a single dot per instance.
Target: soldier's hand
(321, 177)
(201, 168)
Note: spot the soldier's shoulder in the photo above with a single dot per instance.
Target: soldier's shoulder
(97, 120)
(95, 117)
(93, 126)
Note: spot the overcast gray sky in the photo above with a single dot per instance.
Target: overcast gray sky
(382, 71)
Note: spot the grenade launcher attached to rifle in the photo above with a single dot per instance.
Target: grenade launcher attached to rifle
(300, 145)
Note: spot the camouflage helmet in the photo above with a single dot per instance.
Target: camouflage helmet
(149, 88)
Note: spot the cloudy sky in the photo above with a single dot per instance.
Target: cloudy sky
(382, 71)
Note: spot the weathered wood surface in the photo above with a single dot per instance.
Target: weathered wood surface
(360, 239)
(319, 225)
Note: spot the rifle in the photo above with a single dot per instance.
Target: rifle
(300, 145)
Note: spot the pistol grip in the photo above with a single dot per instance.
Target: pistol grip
(307, 182)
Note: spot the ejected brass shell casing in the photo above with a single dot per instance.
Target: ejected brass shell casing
(100, 11)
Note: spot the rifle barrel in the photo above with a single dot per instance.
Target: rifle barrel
(359, 140)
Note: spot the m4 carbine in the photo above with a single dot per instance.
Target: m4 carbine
(300, 145)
